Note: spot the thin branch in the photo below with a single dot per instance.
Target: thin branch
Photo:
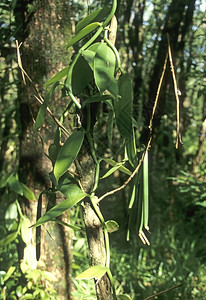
(177, 92)
(163, 292)
(158, 92)
(38, 96)
(131, 176)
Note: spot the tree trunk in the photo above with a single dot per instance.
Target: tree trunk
(43, 33)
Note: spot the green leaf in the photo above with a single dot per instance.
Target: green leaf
(26, 232)
(93, 272)
(67, 225)
(104, 68)
(111, 171)
(112, 226)
(15, 185)
(89, 57)
(96, 16)
(82, 33)
(96, 99)
(9, 273)
(8, 239)
(203, 203)
(74, 194)
(68, 153)
(61, 74)
(114, 163)
(124, 120)
(41, 116)
(123, 106)
(11, 215)
(28, 194)
(81, 75)
(123, 297)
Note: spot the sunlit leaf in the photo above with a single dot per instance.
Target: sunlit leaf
(104, 67)
(112, 226)
(26, 232)
(123, 297)
(11, 215)
(71, 190)
(28, 194)
(83, 32)
(93, 272)
(114, 163)
(89, 57)
(61, 74)
(9, 273)
(68, 153)
(111, 171)
(96, 16)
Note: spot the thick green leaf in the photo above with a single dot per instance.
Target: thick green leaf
(89, 57)
(82, 33)
(124, 120)
(60, 208)
(93, 272)
(41, 116)
(123, 106)
(112, 226)
(96, 16)
(28, 194)
(68, 153)
(61, 74)
(69, 187)
(15, 185)
(104, 68)
(81, 75)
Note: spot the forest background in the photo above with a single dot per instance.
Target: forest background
(177, 253)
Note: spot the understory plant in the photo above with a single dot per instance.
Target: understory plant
(98, 97)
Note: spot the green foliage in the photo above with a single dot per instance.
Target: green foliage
(68, 153)
(114, 105)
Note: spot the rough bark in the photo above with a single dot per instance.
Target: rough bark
(43, 34)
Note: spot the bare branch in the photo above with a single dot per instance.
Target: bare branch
(163, 292)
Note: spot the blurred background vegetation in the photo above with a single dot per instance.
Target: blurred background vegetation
(177, 177)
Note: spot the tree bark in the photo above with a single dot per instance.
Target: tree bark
(44, 34)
